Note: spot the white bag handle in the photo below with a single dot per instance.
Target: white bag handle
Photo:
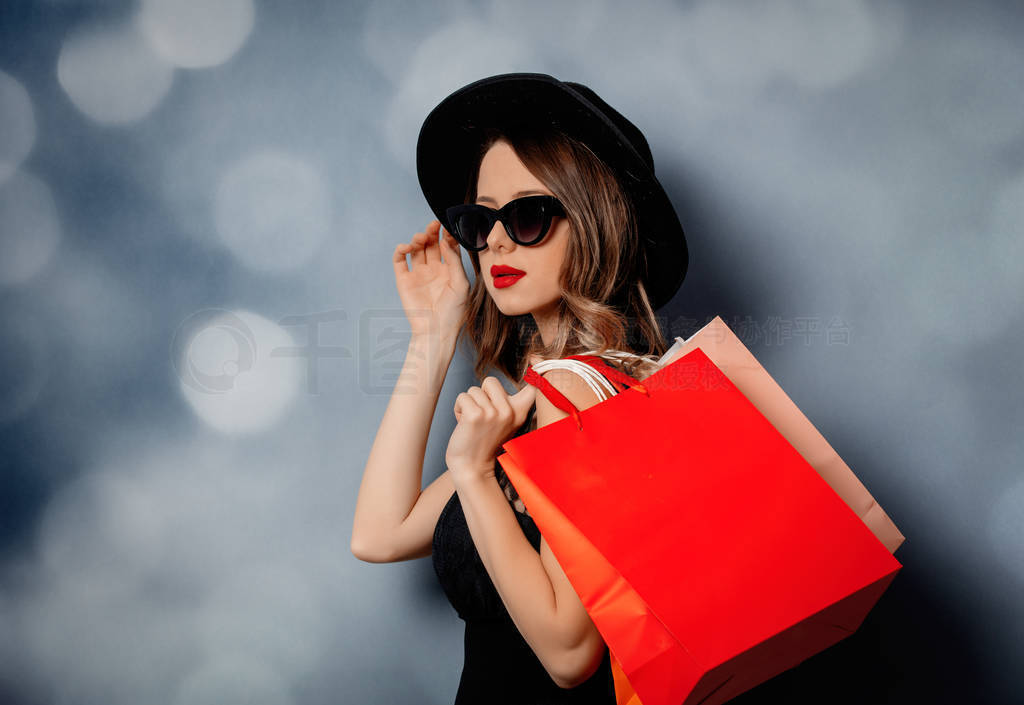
(594, 379)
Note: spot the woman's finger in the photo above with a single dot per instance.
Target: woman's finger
(431, 249)
(464, 402)
(482, 399)
(521, 402)
(418, 251)
(497, 394)
(452, 257)
(398, 258)
(415, 251)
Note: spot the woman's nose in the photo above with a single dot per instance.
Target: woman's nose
(498, 237)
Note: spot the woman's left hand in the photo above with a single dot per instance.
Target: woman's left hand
(487, 416)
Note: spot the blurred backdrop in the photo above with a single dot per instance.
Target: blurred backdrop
(200, 330)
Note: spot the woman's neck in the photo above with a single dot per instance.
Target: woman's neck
(547, 323)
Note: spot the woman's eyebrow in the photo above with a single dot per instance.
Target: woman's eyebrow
(518, 194)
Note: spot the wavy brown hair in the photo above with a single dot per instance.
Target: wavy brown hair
(604, 305)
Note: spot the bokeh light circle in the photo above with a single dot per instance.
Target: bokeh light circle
(19, 125)
(232, 371)
(436, 69)
(29, 228)
(111, 74)
(272, 210)
(196, 33)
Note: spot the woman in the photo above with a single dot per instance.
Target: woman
(549, 189)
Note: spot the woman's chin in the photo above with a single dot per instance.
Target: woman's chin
(507, 303)
(511, 310)
(511, 305)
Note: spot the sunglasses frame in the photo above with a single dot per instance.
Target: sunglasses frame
(552, 208)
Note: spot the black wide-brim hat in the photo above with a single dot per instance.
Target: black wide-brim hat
(452, 134)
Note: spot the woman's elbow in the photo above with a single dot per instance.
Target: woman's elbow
(367, 552)
(578, 665)
(359, 551)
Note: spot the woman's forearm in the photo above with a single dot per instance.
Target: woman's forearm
(393, 476)
(516, 570)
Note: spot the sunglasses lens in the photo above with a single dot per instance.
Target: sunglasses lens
(472, 228)
(529, 221)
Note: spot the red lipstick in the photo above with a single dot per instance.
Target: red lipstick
(504, 275)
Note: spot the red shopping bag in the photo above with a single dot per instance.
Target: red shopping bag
(709, 554)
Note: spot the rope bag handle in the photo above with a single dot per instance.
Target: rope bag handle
(560, 401)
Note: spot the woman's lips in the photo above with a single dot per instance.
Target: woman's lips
(504, 275)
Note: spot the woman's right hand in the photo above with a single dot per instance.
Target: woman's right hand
(435, 289)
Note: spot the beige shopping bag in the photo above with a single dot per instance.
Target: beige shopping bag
(731, 356)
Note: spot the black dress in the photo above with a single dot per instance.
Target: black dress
(499, 667)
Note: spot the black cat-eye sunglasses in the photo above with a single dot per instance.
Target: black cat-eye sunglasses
(526, 220)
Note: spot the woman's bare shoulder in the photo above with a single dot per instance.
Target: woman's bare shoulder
(572, 386)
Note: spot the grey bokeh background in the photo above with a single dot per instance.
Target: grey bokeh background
(194, 194)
